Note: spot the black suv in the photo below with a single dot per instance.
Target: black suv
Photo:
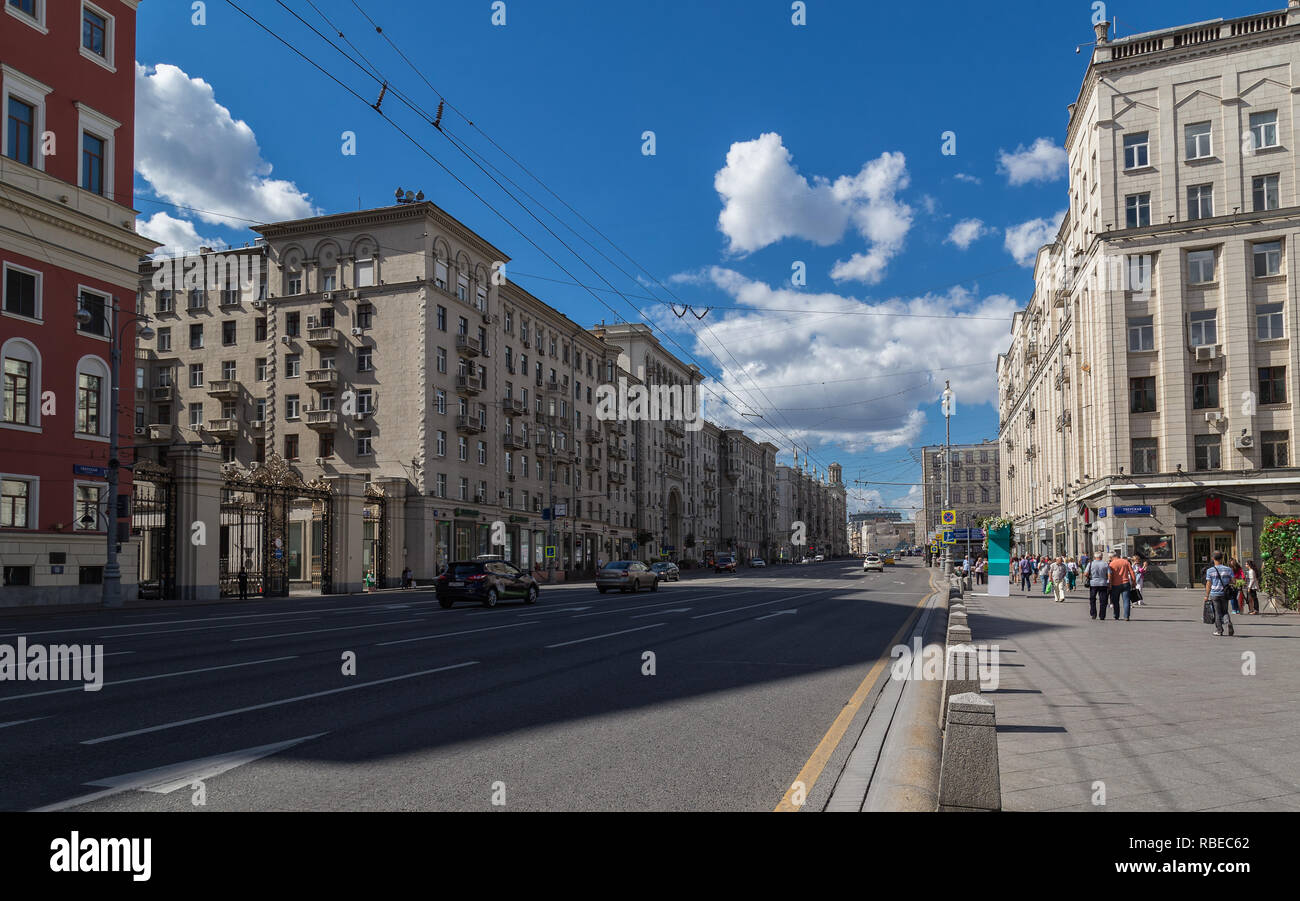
(486, 582)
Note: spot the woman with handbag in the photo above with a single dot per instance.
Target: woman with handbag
(1252, 587)
(1139, 575)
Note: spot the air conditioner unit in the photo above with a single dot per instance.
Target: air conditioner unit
(139, 431)
(358, 332)
(259, 304)
(357, 417)
(284, 339)
(1213, 416)
(1206, 352)
(1244, 442)
(354, 295)
(320, 461)
(327, 295)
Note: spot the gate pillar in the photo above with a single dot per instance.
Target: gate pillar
(198, 484)
(349, 532)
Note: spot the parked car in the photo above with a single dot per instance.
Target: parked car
(626, 575)
(724, 564)
(667, 572)
(484, 581)
(757, 562)
(873, 563)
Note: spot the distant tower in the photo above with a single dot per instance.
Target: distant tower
(836, 474)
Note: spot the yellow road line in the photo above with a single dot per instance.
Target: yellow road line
(808, 776)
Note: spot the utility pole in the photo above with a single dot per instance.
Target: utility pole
(947, 468)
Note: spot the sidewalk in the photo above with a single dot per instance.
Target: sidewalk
(1158, 708)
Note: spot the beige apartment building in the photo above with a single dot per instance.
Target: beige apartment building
(976, 492)
(819, 501)
(1147, 399)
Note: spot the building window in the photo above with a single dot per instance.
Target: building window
(33, 9)
(1142, 394)
(1136, 149)
(196, 375)
(259, 329)
(92, 162)
(440, 401)
(365, 315)
(464, 488)
(364, 448)
(1139, 272)
(1203, 328)
(1263, 130)
(291, 447)
(1208, 452)
(228, 333)
(292, 325)
(462, 449)
(97, 306)
(260, 369)
(292, 366)
(90, 403)
(482, 453)
(22, 289)
(196, 336)
(1141, 333)
(1273, 449)
(1200, 267)
(365, 401)
(292, 407)
(442, 484)
(1205, 391)
(228, 370)
(440, 274)
(329, 281)
(1264, 193)
(1268, 258)
(292, 285)
(441, 358)
(1198, 141)
(259, 410)
(1272, 384)
(1145, 452)
(1200, 202)
(164, 340)
(17, 507)
(94, 32)
(442, 443)
(21, 129)
(1137, 210)
(365, 359)
(17, 391)
(365, 273)
(1268, 321)
(165, 302)
(442, 318)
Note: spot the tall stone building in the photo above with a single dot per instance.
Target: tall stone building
(1147, 398)
(976, 491)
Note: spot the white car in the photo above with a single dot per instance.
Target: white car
(873, 563)
(757, 562)
(819, 558)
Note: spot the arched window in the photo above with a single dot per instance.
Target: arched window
(92, 391)
(21, 371)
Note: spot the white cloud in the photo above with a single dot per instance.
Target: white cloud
(1023, 241)
(195, 154)
(1043, 161)
(970, 179)
(765, 200)
(841, 378)
(967, 232)
(176, 235)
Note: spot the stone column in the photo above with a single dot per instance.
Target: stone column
(198, 485)
(348, 520)
(399, 554)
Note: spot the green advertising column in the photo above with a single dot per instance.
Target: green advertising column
(999, 561)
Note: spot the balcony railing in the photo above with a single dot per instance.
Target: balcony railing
(225, 388)
(164, 393)
(469, 424)
(323, 420)
(468, 384)
(616, 477)
(223, 428)
(513, 441)
(324, 337)
(322, 378)
(468, 345)
(513, 406)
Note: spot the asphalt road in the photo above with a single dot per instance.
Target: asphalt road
(544, 707)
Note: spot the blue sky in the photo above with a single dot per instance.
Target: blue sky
(818, 144)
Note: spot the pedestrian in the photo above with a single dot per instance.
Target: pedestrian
(1238, 580)
(1218, 582)
(1252, 587)
(1071, 572)
(1121, 580)
(984, 570)
(406, 577)
(1045, 567)
(1059, 573)
(1140, 574)
(370, 582)
(1098, 575)
(243, 583)
(1026, 573)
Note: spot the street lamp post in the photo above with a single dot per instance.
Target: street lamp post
(947, 405)
(111, 595)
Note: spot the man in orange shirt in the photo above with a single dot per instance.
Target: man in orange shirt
(1121, 580)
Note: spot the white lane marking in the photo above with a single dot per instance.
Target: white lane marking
(166, 622)
(20, 722)
(164, 780)
(450, 634)
(354, 627)
(778, 613)
(188, 672)
(660, 612)
(606, 635)
(752, 606)
(553, 610)
(195, 629)
(648, 606)
(282, 701)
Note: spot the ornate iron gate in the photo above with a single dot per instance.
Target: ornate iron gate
(278, 530)
(153, 521)
(375, 535)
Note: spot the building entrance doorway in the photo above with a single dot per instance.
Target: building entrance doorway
(1204, 544)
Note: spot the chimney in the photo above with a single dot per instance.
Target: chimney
(1103, 32)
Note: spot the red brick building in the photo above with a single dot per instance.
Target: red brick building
(67, 242)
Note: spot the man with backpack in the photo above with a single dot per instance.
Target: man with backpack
(1218, 584)
(1098, 575)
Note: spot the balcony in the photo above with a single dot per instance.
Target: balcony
(514, 442)
(616, 453)
(616, 426)
(733, 471)
(324, 337)
(160, 432)
(710, 466)
(470, 425)
(223, 428)
(227, 389)
(468, 346)
(615, 477)
(323, 420)
(322, 378)
(676, 447)
(513, 406)
(594, 435)
(591, 463)
(164, 394)
(554, 387)
(468, 384)
(675, 428)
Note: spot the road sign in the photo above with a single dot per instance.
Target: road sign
(949, 536)
(550, 551)
(948, 518)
